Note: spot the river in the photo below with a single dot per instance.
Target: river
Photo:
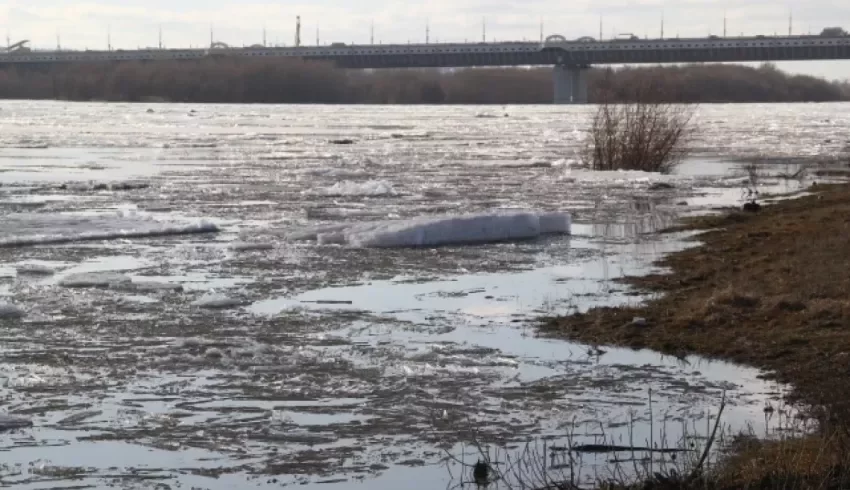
(175, 333)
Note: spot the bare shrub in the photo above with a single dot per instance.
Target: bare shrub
(644, 133)
(750, 192)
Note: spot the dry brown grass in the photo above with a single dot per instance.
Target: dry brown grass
(814, 462)
(772, 290)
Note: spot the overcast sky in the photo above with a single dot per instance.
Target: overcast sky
(135, 23)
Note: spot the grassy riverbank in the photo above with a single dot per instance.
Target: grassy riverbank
(768, 289)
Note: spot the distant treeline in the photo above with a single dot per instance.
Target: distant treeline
(295, 81)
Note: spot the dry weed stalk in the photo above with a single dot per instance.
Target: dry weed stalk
(751, 189)
(545, 464)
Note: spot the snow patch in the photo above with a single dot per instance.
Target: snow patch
(496, 226)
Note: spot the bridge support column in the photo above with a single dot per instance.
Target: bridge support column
(570, 83)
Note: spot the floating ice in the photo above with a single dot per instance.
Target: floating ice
(368, 188)
(617, 176)
(103, 186)
(217, 301)
(137, 300)
(443, 230)
(566, 162)
(312, 234)
(249, 246)
(69, 229)
(8, 311)
(34, 270)
(9, 422)
(489, 115)
(95, 280)
(339, 173)
(150, 286)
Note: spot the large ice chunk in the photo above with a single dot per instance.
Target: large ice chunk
(217, 301)
(496, 226)
(23, 230)
(552, 223)
(11, 422)
(10, 311)
(35, 270)
(95, 280)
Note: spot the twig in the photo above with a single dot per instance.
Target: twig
(698, 468)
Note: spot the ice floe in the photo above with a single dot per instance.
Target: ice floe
(497, 226)
(11, 422)
(9, 311)
(368, 188)
(250, 246)
(34, 270)
(217, 301)
(95, 280)
(87, 231)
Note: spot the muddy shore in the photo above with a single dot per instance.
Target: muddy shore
(767, 289)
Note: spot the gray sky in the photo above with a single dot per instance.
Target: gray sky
(135, 23)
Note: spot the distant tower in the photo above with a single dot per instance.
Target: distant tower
(724, 24)
(600, 27)
(662, 25)
(160, 37)
(372, 33)
(427, 32)
(317, 36)
(264, 36)
(212, 41)
(483, 30)
(790, 22)
(109, 38)
(58, 41)
(541, 30)
(298, 31)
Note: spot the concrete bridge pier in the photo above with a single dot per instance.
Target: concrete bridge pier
(570, 84)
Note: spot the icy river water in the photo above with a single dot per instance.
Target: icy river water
(167, 331)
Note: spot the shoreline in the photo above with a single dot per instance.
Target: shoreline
(768, 290)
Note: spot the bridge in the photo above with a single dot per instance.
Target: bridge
(571, 58)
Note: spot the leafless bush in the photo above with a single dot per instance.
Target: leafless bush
(751, 186)
(645, 134)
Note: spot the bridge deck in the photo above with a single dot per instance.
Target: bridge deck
(495, 54)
